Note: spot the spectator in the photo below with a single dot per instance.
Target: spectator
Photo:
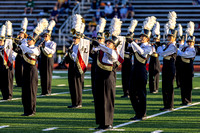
(94, 4)
(108, 10)
(59, 4)
(36, 21)
(29, 5)
(76, 2)
(123, 12)
(65, 7)
(98, 14)
(54, 14)
(130, 11)
(116, 13)
(92, 25)
(98, 3)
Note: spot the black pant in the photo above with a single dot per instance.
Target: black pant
(186, 82)
(126, 71)
(29, 88)
(6, 83)
(168, 75)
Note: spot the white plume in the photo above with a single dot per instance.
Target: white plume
(82, 28)
(101, 25)
(172, 16)
(77, 21)
(3, 31)
(172, 20)
(180, 30)
(190, 28)
(149, 22)
(52, 24)
(24, 24)
(131, 28)
(9, 28)
(115, 27)
(41, 26)
(156, 29)
(166, 29)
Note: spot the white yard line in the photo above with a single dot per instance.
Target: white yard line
(148, 117)
(50, 129)
(157, 131)
(53, 94)
(4, 126)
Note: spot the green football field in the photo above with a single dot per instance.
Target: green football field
(53, 115)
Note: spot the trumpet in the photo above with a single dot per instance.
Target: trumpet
(40, 45)
(65, 55)
(73, 32)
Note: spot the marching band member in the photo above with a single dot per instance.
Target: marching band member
(180, 45)
(168, 53)
(106, 77)
(94, 50)
(77, 57)
(154, 64)
(18, 60)
(139, 73)
(127, 64)
(48, 48)
(187, 55)
(30, 72)
(6, 68)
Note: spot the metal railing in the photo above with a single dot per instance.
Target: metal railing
(64, 31)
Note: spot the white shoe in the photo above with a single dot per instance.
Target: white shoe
(24, 13)
(30, 13)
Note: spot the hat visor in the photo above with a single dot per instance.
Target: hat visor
(32, 38)
(144, 35)
(110, 41)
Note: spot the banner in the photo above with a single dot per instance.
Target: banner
(8, 53)
(120, 49)
(83, 55)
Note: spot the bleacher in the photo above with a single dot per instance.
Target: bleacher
(159, 8)
(13, 10)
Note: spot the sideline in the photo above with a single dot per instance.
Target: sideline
(148, 117)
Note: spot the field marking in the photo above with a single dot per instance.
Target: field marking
(50, 129)
(62, 85)
(196, 88)
(53, 94)
(4, 126)
(148, 117)
(157, 131)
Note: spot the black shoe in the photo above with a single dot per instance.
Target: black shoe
(100, 127)
(108, 127)
(166, 109)
(27, 114)
(138, 118)
(24, 114)
(183, 104)
(125, 96)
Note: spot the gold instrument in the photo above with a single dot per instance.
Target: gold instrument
(73, 32)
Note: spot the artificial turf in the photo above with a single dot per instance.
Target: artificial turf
(52, 111)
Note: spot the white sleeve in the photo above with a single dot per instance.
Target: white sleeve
(143, 51)
(26, 49)
(169, 51)
(109, 51)
(52, 48)
(188, 54)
